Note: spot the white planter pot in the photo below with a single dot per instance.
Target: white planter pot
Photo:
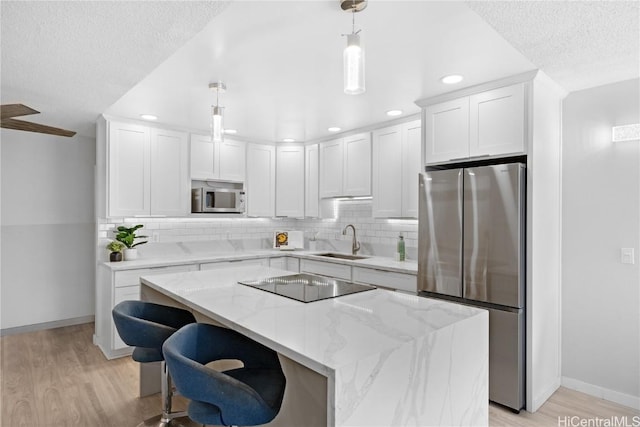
(130, 254)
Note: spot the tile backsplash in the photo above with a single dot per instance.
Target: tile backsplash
(377, 236)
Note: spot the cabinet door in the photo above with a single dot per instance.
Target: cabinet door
(411, 167)
(331, 168)
(387, 172)
(131, 293)
(261, 176)
(446, 131)
(169, 173)
(311, 195)
(290, 181)
(129, 174)
(497, 121)
(357, 165)
(232, 160)
(203, 153)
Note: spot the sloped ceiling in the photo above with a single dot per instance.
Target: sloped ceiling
(282, 61)
(71, 60)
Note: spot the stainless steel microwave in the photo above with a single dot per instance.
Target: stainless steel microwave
(217, 200)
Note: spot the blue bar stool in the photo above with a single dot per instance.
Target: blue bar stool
(246, 396)
(146, 326)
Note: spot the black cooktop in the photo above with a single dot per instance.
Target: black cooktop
(306, 287)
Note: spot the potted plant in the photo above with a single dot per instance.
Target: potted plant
(116, 250)
(127, 235)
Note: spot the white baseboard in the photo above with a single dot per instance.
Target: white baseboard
(538, 401)
(602, 393)
(47, 325)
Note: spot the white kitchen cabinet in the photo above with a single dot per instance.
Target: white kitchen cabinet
(345, 166)
(290, 201)
(311, 182)
(232, 160)
(129, 181)
(223, 161)
(411, 167)
(285, 263)
(357, 165)
(113, 287)
(329, 269)
(170, 185)
(261, 180)
(447, 131)
(147, 171)
(396, 164)
(496, 125)
(387, 172)
(331, 168)
(488, 123)
(386, 279)
(263, 262)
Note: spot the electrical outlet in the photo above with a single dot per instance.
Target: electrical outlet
(627, 256)
(155, 236)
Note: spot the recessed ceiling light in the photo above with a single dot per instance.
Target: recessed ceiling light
(394, 112)
(288, 140)
(230, 131)
(452, 79)
(149, 117)
(334, 129)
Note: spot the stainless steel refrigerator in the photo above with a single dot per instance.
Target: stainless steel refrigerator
(471, 250)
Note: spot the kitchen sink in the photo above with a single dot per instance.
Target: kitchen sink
(342, 256)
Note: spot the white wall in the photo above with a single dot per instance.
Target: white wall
(601, 214)
(47, 229)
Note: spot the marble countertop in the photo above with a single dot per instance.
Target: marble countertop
(384, 263)
(322, 335)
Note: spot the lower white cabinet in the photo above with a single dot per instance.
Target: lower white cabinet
(330, 269)
(386, 279)
(264, 262)
(114, 287)
(285, 263)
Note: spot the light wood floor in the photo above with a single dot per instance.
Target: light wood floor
(59, 378)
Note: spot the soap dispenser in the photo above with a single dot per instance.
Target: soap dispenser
(400, 253)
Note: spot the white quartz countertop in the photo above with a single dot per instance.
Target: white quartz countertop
(323, 335)
(384, 263)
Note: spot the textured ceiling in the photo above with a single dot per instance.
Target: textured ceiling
(579, 44)
(70, 60)
(73, 60)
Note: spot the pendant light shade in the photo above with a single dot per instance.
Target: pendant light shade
(353, 55)
(217, 113)
(353, 66)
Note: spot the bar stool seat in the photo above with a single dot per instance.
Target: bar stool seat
(245, 396)
(146, 326)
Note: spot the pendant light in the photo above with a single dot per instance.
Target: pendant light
(217, 113)
(353, 55)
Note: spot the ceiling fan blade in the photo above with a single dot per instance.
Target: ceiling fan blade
(14, 110)
(34, 127)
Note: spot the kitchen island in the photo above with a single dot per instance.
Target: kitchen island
(374, 358)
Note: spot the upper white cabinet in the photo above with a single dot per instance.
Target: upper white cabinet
(396, 164)
(496, 124)
(217, 161)
(345, 166)
(447, 130)
(311, 184)
(169, 173)
(147, 170)
(290, 160)
(490, 123)
(261, 180)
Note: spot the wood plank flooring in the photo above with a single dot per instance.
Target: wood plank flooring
(58, 378)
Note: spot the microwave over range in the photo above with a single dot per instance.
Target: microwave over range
(217, 200)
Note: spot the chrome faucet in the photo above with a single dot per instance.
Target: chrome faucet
(355, 246)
